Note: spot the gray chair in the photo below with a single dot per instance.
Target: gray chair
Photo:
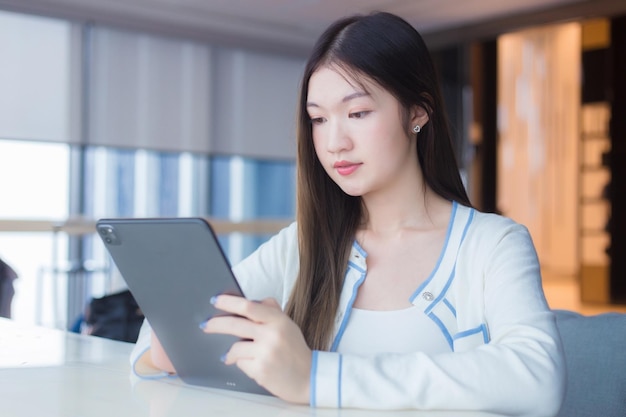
(595, 354)
(7, 276)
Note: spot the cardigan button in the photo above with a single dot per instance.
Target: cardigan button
(428, 296)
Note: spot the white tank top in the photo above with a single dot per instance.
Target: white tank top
(397, 331)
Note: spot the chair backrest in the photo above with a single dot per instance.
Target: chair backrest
(595, 355)
(7, 275)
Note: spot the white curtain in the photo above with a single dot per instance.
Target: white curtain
(148, 92)
(138, 90)
(39, 79)
(255, 104)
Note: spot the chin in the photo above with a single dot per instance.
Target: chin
(353, 192)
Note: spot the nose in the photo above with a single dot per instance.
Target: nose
(338, 139)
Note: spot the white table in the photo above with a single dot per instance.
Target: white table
(53, 373)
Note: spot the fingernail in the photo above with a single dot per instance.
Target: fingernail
(213, 299)
(223, 358)
(202, 325)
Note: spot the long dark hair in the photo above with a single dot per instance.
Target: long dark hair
(388, 50)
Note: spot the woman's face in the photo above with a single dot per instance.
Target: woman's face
(358, 135)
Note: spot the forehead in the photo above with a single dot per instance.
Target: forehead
(334, 80)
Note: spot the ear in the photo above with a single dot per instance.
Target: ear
(419, 116)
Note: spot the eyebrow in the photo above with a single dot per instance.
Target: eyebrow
(345, 99)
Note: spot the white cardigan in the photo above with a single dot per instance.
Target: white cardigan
(486, 297)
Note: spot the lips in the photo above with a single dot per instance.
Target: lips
(345, 168)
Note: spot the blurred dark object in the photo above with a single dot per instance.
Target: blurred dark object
(596, 75)
(7, 275)
(115, 316)
(617, 132)
(606, 159)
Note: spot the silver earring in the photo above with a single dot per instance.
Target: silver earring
(417, 129)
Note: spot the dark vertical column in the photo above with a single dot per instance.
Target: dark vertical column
(475, 66)
(485, 104)
(451, 66)
(617, 161)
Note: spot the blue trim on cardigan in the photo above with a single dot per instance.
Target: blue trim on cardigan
(443, 293)
(158, 375)
(441, 255)
(346, 316)
(479, 329)
(312, 381)
(443, 328)
(450, 306)
(339, 381)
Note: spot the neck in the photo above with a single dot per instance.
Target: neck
(421, 210)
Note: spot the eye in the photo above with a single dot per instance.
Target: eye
(359, 114)
(317, 120)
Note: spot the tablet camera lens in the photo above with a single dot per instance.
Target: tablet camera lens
(108, 234)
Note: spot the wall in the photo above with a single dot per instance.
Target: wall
(538, 128)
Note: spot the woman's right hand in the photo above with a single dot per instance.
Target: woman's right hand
(158, 356)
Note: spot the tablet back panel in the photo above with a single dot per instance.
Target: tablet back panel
(173, 267)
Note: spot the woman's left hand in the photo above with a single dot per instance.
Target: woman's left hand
(272, 351)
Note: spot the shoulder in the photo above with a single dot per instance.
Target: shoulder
(271, 269)
(485, 220)
(488, 233)
(288, 234)
(283, 243)
(492, 226)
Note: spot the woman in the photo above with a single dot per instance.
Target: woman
(390, 291)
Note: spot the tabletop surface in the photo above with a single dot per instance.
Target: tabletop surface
(46, 372)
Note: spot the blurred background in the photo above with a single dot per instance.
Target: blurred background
(166, 108)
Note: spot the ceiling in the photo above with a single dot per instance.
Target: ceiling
(292, 25)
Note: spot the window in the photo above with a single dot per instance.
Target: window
(34, 179)
(74, 96)
(250, 189)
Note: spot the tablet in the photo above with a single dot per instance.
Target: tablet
(173, 266)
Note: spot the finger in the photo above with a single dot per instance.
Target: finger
(259, 312)
(246, 361)
(241, 350)
(256, 371)
(271, 302)
(250, 367)
(235, 326)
